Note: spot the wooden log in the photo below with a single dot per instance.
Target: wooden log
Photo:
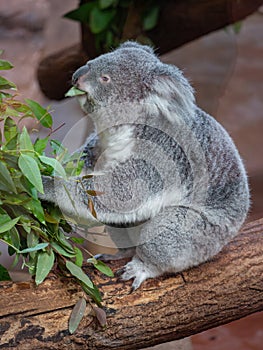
(225, 289)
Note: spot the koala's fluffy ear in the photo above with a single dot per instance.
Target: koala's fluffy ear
(135, 45)
(172, 91)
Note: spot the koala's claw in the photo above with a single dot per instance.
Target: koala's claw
(136, 269)
(119, 272)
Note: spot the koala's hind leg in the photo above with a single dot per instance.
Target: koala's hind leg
(174, 240)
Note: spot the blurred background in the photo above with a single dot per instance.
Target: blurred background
(224, 67)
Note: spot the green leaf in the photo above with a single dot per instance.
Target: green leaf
(94, 293)
(45, 262)
(30, 169)
(64, 241)
(103, 4)
(32, 239)
(39, 246)
(60, 250)
(55, 164)
(35, 207)
(82, 13)
(57, 147)
(237, 27)
(4, 275)
(15, 237)
(4, 218)
(74, 92)
(79, 274)
(6, 180)
(10, 160)
(151, 18)
(77, 315)
(40, 145)
(41, 113)
(101, 266)
(6, 84)
(10, 130)
(100, 19)
(4, 95)
(25, 141)
(8, 225)
(5, 65)
(77, 240)
(79, 257)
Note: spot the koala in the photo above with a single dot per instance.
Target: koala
(171, 185)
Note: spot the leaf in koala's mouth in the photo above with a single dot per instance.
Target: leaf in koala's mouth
(73, 91)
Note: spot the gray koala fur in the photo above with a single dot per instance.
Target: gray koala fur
(167, 170)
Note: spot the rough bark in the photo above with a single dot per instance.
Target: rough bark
(180, 21)
(225, 289)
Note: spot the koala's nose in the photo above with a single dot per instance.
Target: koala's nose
(79, 73)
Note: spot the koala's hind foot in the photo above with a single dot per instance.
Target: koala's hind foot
(139, 271)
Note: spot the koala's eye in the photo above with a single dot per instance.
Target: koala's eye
(105, 78)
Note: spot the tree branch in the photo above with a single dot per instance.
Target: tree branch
(180, 22)
(163, 309)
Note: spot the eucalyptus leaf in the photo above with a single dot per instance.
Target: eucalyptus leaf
(31, 171)
(41, 113)
(40, 145)
(101, 316)
(45, 262)
(15, 238)
(6, 179)
(60, 250)
(79, 274)
(94, 293)
(103, 4)
(10, 129)
(74, 92)
(82, 13)
(35, 207)
(100, 19)
(78, 240)
(101, 266)
(4, 275)
(25, 141)
(32, 239)
(151, 18)
(39, 246)
(77, 315)
(6, 84)
(8, 225)
(55, 164)
(79, 257)
(4, 218)
(5, 65)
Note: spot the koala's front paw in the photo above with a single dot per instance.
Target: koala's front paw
(139, 271)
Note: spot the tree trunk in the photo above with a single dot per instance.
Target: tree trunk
(225, 289)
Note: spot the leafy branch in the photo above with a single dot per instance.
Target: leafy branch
(112, 21)
(36, 232)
